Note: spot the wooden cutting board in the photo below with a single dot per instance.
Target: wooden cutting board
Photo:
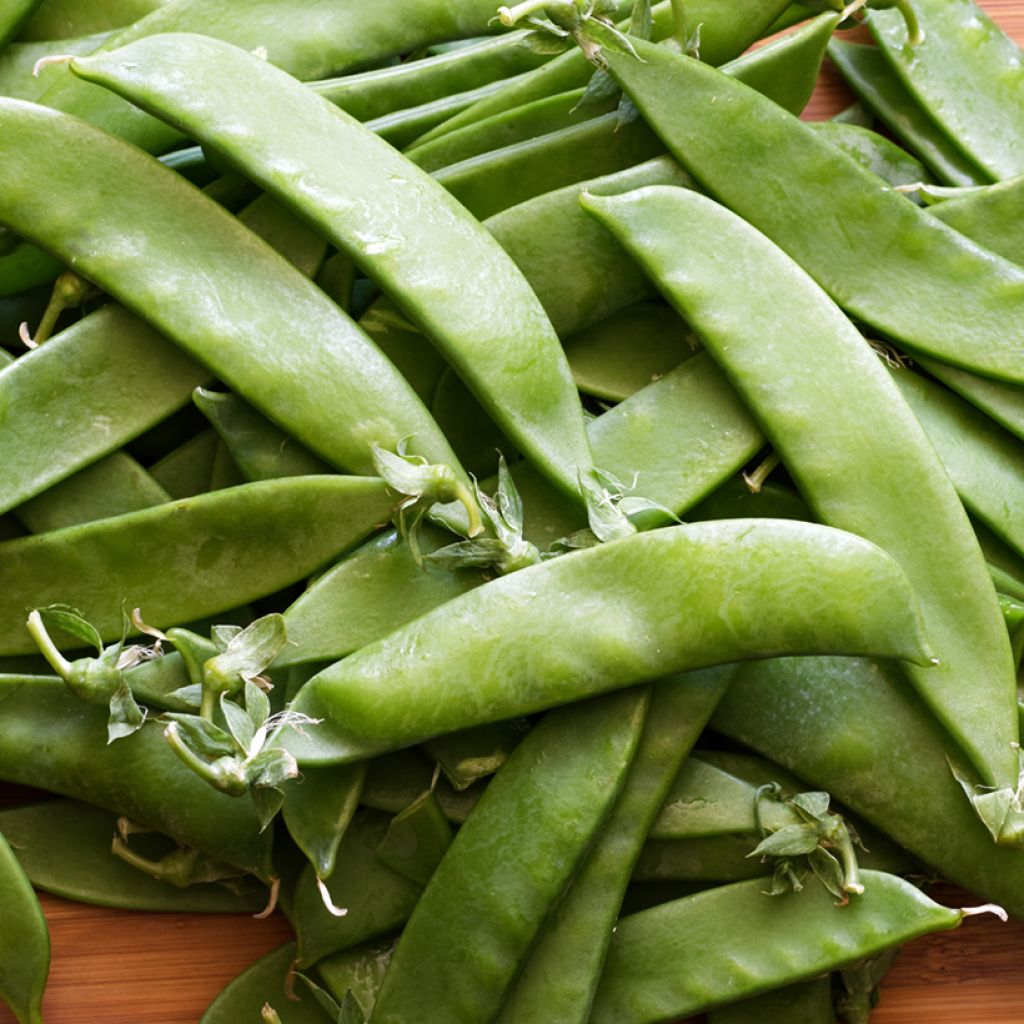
(117, 967)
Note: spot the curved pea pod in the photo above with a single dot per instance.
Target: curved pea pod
(359, 971)
(187, 470)
(903, 257)
(991, 217)
(559, 975)
(509, 863)
(52, 740)
(405, 230)
(376, 899)
(64, 848)
(318, 807)
(712, 860)
(734, 941)
(878, 154)
(842, 393)
(873, 745)
(16, 13)
(24, 941)
(417, 839)
(966, 75)
(728, 28)
(266, 982)
(17, 61)
(983, 460)
(809, 1002)
(855, 597)
(209, 284)
(60, 19)
(869, 75)
(470, 431)
(187, 559)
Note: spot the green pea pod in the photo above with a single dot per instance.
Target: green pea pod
(809, 1002)
(261, 450)
(468, 756)
(376, 899)
(15, 14)
(318, 808)
(712, 860)
(704, 950)
(982, 459)
(24, 942)
(692, 568)
(373, 94)
(990, 216)
(727, 27)
(810, 419)
(1000, 401)
(417, 839)
(267, 982)
(187, 559)
(186, 471)
(359, 971)
(855, 728)
(869, 75)
(61, 19)
(900, 258)
(470, 431)
(392, 219)
(64, 848)
(17, 61)
(113, 486)
(509, 863)
(875, 152)
(52, 740)
(239, 315)
(624, 353)
(966, 75)
(558, 978)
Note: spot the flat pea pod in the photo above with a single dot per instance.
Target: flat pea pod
(17, 61)
(983, 460)
(24, 941)
(62, 19)
(372, 94)
(15, 14)
(186, 470)
(990, 216)
(810, 419)
(809, 1002)
(859, 597)
(392, 218)
(870, 76)
(558, 978)
(266, 982)
(470, 431)
(903, 258)
(1000, 401)
(261, 450)
(148, 232)
(318, 808)
(113, 486)
(509, 863)
(377, 899)
(417, 839)
(64, 848)
(190, 558)
(359, 971)
(878, 154)
(734, 941)
(966, 74)
(728, 27)
(51, 740)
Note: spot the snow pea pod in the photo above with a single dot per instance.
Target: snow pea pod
(875, 152)
(809, 1002)
(966, 74)
(1001, 402)
(509, 863)
(378, 900)
(693, 569)
(64, 848)
(728, 28)
(268, 981)
(855, 728)
(903, 258)
(13, 17)
(62, 19)
(190, 558)
(143, 235)
(858, 486)
(869, 75)
(983, 460)
(558, 977)
(261, 450)
(24, 941)
(113, 486)
(392, 218)
(17, 61)
(186, 470)
(372, 94)
(990, 216)
(52, 740)
(359, 971)
(709, 949)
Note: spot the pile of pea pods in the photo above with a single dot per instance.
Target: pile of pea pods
(496, 485)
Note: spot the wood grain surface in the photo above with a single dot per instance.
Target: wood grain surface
(118, 967)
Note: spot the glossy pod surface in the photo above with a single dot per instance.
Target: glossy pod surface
(24, 941)
(647, 606)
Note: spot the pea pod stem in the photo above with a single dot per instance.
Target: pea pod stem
(47, 647)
